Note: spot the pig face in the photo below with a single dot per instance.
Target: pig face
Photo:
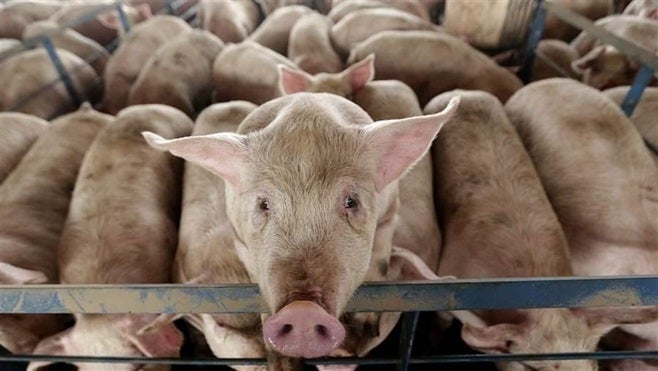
(605, 67)
(113, 335)
(302, 195)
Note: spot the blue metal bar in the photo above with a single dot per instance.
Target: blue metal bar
(536, 30)
(373, 297)
(409, 324)
(642, 80)
(62, 72)
(171, 7)
(123, 18)
(465, 358)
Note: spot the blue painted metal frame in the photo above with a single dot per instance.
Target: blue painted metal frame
(125, 23)
(536, 30)
(642, 80)
(62, 72)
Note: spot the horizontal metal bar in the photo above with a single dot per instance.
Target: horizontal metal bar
(628, 48)
(535, 292)
(459, 358)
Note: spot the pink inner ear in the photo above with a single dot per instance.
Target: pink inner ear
(293, 81)
(361, 73)
(12, 275)
(161, 341)
(110, 20)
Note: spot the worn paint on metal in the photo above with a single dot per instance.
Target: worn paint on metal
(382, 296)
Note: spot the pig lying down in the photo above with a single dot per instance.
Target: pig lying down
(309, 198)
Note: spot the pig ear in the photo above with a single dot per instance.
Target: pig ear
(161, 339)
(144, 11)
(492, 339)
(110, 19)
(12, 275)
(605, 319)
(360, 73)
(55, 345)
(398, 144)
(222, 153)
(293, 81)
(580, 65)
(405, 265)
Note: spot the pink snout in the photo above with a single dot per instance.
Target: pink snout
(303, 329)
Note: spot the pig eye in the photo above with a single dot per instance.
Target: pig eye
(264, 204)
(351, 202)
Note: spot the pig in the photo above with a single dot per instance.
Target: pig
(68, 39)
(17, 14)
(206, 252)
(6, 45)
(431, 63)
(498, 222)
(644, 116)
(122, 229)
(310, 46)
(230, 20)
(274, 31)
(159, 6)
(554, 28)
(106, 26)
(126, 63)
(32, 85)
(34, 201)
(271, 6)
(311, 189)
(179, 73)
(600, 180)
(603, 66)
(362, 24)
(344, 8)
(559, 54)
(248, 71)
(18, 132)
(643, 8)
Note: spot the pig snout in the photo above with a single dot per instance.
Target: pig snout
(303, 329)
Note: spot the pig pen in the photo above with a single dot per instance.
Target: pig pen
(414, 299)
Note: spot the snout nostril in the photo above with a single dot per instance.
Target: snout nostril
(287, 328)
(321, 330)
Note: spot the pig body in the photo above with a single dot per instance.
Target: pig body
(603, 66)
(643, 8)
(230, 20)
(206, 252)
(179, 73)
(18, 132)
(644, 115)
(84, 47)
(344, 8)
(24, 76)
(497, 222)
(271, 6)
(560, 54)
(599, 177)
(311, 189)
(16, 15)
(274, 31)
(122, 229)
(135, 49)
(103, 29)
(248, 71)
(398, 56)
(34, 201)
(310, 46)
(555, 28)
(360, 25)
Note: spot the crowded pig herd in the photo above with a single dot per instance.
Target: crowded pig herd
(311, 146)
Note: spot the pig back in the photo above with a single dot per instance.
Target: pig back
(122, 224)
(593, 164)
(496, 218)
(18, 132)
(35, 197)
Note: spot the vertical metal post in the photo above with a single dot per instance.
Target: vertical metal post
(63, 73)
(171, 7)
(642, 80)
(409, 323)
(123, 18)
(525, 74)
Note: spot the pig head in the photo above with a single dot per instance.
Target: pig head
(308, 191)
